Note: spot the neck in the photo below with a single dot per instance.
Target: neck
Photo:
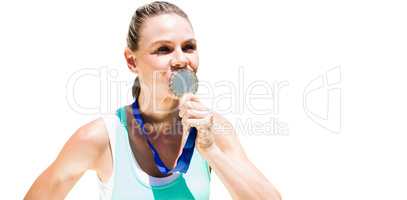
(157, 108)
(160, 117)
(161, 112)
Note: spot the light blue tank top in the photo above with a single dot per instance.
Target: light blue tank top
(128, 185)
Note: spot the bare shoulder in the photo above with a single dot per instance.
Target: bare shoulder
(80, 153)
(84, 148)
(93, 133)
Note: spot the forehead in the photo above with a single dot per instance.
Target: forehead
(165, 27)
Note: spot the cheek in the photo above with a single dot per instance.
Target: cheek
(194, 61)
(168, 75)
(158, 67)
(160, 63)
(163, 76)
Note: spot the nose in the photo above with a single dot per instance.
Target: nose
(179, 60)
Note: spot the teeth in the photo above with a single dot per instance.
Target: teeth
(182, 81)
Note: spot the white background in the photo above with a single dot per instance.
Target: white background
(360, 154)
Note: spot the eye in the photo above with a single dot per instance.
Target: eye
(163, 50)
(189, 48)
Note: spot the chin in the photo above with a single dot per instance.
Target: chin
(167, 94)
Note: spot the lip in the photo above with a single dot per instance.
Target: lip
(171, 72)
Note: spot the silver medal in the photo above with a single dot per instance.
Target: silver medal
(183, 81)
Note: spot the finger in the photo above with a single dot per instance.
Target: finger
(190, 105)
(188, 97)
(195, 114)
(205, 139)
(181, 113)
(184, 122)
(194, 97)
(182, 105)
(193, 105)
(198, 123)
(185, 98)
(203, 132)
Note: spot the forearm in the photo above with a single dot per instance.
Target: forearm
(240, 180)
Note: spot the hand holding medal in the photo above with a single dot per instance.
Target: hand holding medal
(184, 84)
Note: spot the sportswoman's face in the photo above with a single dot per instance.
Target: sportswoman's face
(167, 42)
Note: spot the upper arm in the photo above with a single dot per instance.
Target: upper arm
(79, 154)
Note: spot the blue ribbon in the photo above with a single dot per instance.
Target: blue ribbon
(187, 152)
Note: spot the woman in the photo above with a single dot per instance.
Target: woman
(126, 153)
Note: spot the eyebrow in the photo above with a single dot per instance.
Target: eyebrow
(168, 41)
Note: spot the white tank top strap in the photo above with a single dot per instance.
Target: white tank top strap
(112, 123)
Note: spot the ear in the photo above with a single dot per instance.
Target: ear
(130, 60)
